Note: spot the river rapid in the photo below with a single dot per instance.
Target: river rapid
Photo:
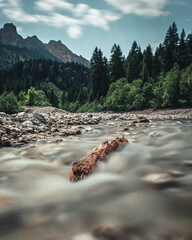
(144, 191)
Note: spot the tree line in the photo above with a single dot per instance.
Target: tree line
(162, 79)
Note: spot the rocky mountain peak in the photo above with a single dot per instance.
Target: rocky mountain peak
(10, 27)
(52, 50)
(9, 35)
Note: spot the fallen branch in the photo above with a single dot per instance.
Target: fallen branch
(88, 163)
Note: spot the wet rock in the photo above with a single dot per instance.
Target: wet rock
(125, 128)
(88, 129)
(160, 180)
(73, 132)
(141, 120)
(88, 164)
(7, 143)
(187, 163)
(18, 145)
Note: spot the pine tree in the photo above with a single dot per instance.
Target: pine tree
(116, 63)
(183, 51)
(133, 63)
(171, 47)
(158, 61)
(147, 64)
(99, 82)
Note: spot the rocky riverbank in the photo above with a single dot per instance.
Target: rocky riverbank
(34, 123)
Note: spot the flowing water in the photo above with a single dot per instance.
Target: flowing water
(146, 185)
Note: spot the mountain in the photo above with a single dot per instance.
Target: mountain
(61, 52)
(14, 48)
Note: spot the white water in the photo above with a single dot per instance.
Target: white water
(37, 201)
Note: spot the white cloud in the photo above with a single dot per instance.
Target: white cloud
(150, 8)
(48, 5)
(17, 14)
(73, 17)
(74, 31)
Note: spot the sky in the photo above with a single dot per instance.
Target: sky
(82, 25)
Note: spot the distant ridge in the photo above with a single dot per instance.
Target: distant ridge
(32, 47)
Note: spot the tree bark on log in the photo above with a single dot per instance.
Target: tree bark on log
(88, 164)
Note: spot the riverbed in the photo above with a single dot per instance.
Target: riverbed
(143, 191)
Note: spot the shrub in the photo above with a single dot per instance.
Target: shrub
(9, 103)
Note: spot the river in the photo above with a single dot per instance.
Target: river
(142, 192)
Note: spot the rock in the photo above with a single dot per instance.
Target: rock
(21, 115)
(7, 143)
(39, 116)
(141, 120)
(36, 121)
(18, 145)
(2, 114)
(88, 163)
(125, 128)
(160, 179)
(187, 163)
(54, 130)
(27, 124)
(88, 129)
(73, 132)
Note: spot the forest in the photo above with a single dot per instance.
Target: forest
(143, 79)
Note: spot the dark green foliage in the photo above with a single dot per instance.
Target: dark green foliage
(142, 80)
(53, 78)
(185, 86)
(99, 81)
(171, 47)
(171, 88)
(133, 63)
(11, 55)
(147, 64)
(9, 103)
(116, 63)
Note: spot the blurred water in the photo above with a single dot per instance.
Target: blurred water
(37, 201)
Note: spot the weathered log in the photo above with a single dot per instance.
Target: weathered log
(88, 163)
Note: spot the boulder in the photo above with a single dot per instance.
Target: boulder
(39, 117)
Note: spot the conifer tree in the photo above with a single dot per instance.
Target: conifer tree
(147, 64)
(133, 63)
(116, 63)
(99, 82)
(183, 51)
(158, 61)
(171, 45)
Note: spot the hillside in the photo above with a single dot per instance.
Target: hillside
(14, 48)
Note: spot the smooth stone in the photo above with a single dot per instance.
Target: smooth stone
(159, 179)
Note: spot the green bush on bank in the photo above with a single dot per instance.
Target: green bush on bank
(9, 103)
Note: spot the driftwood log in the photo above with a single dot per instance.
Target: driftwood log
(88, 163)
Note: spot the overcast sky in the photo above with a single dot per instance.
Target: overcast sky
(82, 25)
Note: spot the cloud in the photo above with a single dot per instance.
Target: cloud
(149, 8)
(50, 5)
(19, 30)
(19, 15)
(74, 31)
(74, 17)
